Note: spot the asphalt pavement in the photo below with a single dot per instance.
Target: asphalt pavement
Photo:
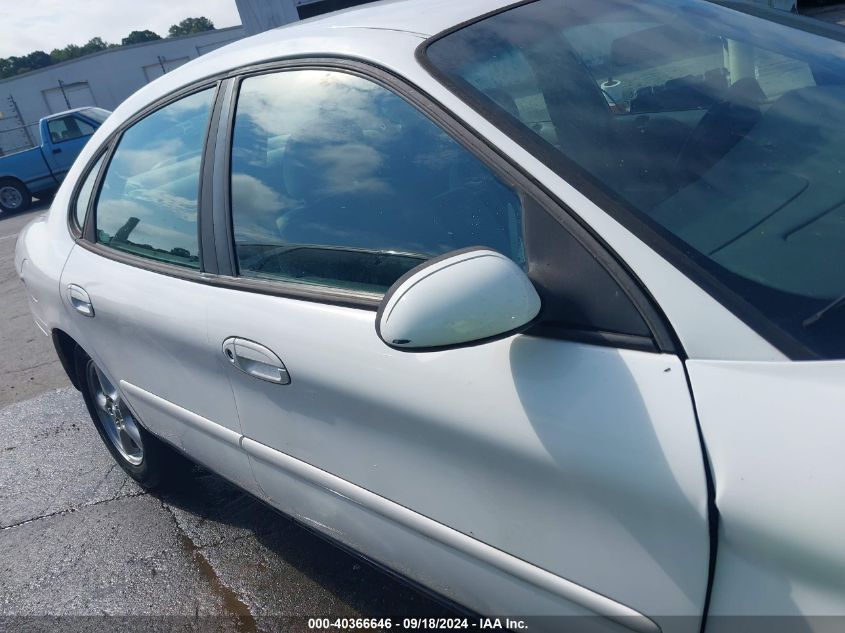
(28, 364)
(80, 538)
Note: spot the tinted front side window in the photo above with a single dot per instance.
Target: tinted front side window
(337, 181)
(148, 202)
(722, 131)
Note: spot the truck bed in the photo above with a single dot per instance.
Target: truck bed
(30, 167)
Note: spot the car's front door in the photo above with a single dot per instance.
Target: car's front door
(68, 135)
(534, 474)
(132, 285)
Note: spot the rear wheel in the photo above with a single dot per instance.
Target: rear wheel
(14, 196)
(144, 457)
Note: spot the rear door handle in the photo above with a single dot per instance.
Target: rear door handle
(80, 300)
(255, 360)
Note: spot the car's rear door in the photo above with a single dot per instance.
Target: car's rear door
(134, 287)
(554, 472)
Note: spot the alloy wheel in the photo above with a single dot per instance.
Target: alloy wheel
(116, 419)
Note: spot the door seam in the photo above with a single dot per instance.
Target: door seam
(712, 510)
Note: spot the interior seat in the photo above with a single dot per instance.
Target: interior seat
(722, 127)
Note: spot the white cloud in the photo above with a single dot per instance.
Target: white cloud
(48, 24)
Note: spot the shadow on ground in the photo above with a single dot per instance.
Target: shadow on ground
(281, 553)
(78, 539)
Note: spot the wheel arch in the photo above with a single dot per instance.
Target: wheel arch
(66, 349)
(4, 178)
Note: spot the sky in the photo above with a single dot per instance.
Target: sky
(29, 25)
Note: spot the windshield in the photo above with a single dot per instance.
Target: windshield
(96, 114)
(720, 132)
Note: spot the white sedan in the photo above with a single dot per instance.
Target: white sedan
(537, 305)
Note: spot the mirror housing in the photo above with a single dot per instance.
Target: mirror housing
(463, 297)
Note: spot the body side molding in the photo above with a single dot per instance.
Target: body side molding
(597, 603)
(531, 574)
(188, 417)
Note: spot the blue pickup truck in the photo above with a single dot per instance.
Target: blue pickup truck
(39, 171)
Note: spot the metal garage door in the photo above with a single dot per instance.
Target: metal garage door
(67, 96)
(154, 71)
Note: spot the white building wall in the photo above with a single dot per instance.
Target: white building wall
(103, 79)
(261, 15)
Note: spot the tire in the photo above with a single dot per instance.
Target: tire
(145, 458)
(46, 196)
(14, 196)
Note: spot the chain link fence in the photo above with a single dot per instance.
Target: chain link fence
(14, 135)
(14, 138)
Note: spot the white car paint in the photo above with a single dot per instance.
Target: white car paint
(608, 493)
(458, 299)
(775, 433)
(705, 327)
(150, 330)
(574, 485)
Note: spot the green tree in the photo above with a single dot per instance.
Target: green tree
(37, 59)
(72, 51)
(190, 25)
(136, 37)
(94, 45)
(63, 54)
(9, 66)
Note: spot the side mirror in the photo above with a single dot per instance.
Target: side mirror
(459, 298)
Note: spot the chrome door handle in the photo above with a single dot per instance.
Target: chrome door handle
(79, 300)
(255, 360)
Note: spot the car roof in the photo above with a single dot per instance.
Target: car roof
(66, 112)
(373, 32)
(426, 17)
